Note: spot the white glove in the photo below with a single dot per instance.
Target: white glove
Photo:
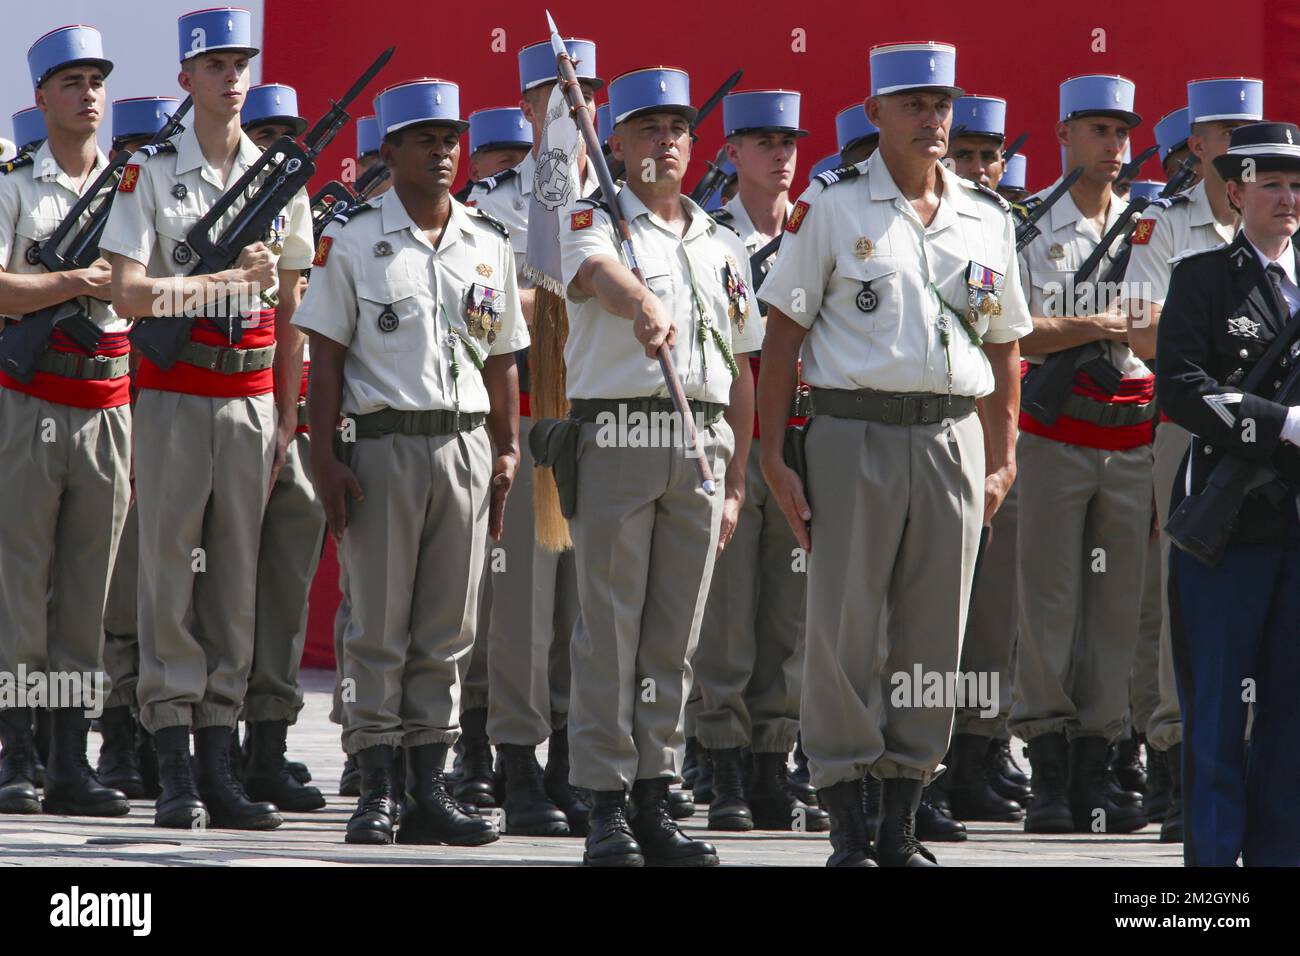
(1291, 427)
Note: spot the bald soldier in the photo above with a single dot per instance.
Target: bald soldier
(897, 283)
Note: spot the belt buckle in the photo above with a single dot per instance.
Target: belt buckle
(909, 413)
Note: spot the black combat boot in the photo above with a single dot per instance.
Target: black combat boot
(934, 822)
(896, 840)
(476, 783)
(1049, 808)
(1005, 776)
(570, 799)
(845, 803)
(1089, 793)
(1171, 827)
(529, 811)
(702, 786)
(430, 814)
(295, 768)
(1155, 803)
(774, 805)
(690, 762)
(350, 779)
(662, 841)
(1126, 763)
(42, 731)
(267, 775)
(970, 791)
(871, 802)
(372, 821)
(224, 795)
(728, 810)
(119, 760)
(178, 805)
(70, 786)
(801, 776)
(147, 756)
(680, 804)
(609, 834)
(17, 770)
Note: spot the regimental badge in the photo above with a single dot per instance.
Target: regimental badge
(983, 291)
(863, 248)
(867, 299)
(179, 191)
(130, 176)
(33, 254)
(1243, 327)
(580, 220)
(382, 248)
(1142, 231)
(182, 254)
(796, 218)
(737, 294)
(483, 306)
(322, 251)
(484, 270)
(1056, 251)
(388, 319)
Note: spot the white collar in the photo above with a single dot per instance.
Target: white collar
(1286, 261)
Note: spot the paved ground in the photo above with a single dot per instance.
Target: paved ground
(316, 839)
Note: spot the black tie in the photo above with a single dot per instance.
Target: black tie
(1277, 275)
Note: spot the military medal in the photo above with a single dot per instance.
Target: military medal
(179, 191)
(182, 254)
(867, 299)
(382, 248)
(276, 242)
(737, 294)
(863, 248)
(483, 312)
(983, 286)
(387, 319)
(1056, 251)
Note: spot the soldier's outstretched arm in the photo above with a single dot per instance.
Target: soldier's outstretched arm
(621, 294)
(501, 378)
(777, 380)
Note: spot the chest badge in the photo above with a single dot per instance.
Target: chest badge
(388, 319)
(863, 248)
(182, 254)
(1056, 251)
(1243, 328)
(179, 191)
(382, 248)
(484, 270)
(867, 299)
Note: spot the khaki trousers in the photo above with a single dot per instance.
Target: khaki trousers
(1165, 728)
(121, 646)
(1144, 683)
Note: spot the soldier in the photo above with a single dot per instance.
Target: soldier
(271, 111)
(29, 130)
(1085, 503)
(499, 139)
(1226, 341)
(1195, 220)
(749, 663)
(645, 534)
(293, 530)
(414, 320)
(65, 439)
(1012, 185)
(126, 760)
(531, 606)
(976, 786)
(855, 134)
(866, 247)
(211, 431)
(1172, 134)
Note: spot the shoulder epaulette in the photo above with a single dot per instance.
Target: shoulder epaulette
(726, 219)
(492, 221)
(346, 215)
(990, 194)
(496, 179)
(24, 160)
(1220, 250)
(839, 174)
(1168, 202)
(155, 149)
(596, 203)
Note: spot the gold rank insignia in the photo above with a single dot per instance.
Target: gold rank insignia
(484, 270)
(1056, 251)
(863, 248)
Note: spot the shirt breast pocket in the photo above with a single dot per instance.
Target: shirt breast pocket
(32, 229)
(173, 233)
(870, 288)
(658, 276)
(389, 316)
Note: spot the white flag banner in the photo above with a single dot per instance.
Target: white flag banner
(555, 190)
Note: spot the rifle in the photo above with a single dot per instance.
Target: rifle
(1130, 169)
(335, 197)
(1026, 231)
(23, 343)
(1203, 523)
(266, 187)
(1046, 388)
(712, 181)
(577, 105)
(1016, 146)
(617, 167)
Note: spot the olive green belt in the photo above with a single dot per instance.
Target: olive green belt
(227, 361)
(586, 409)
(1108, 414)
(95, 368)
(907, 408)
(390, 421)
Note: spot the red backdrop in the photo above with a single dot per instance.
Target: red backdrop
(1017, 49)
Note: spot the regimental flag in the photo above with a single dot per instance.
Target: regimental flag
(555, 188)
